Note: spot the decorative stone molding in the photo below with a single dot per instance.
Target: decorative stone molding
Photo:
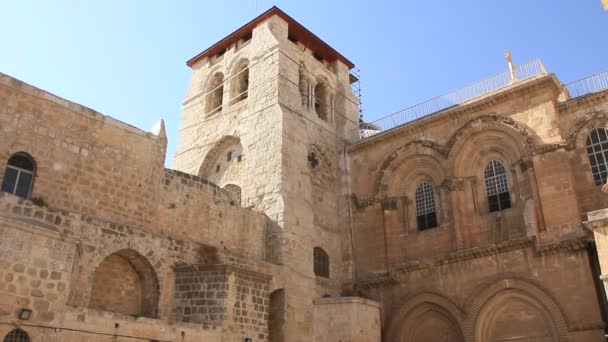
(453, 184)
(582, 127)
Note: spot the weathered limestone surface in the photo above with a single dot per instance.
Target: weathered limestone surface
(111, 246)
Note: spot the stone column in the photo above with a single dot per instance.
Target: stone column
(598, 223)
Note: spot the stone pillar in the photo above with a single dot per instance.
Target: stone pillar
(598, 223)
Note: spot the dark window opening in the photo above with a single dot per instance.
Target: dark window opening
(240, 83)
(321, 100)
(597, 152)
(17, 335)
(217, 168)
(215, 93)
(239, 158)
(321, 262)
(247, 36)
(229, 156)
(19, 175)
(426, 215)
(312, 160)
(497, 186)
(318, 57)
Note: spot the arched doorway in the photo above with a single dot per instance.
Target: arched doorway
(276, 317)
(125, 282)
(513, 316)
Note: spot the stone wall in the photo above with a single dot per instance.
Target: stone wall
(347, 319)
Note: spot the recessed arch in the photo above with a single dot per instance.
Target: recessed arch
(431, 308)
(425, 155)
(239, 80)
(209, 164)
(215, 93)
(276, 316)
(580, 130)
(125, 282)
(524, 138)
(513, 288)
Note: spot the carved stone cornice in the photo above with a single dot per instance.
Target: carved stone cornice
(453, 184)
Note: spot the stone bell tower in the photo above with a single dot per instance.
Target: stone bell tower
(267, 116)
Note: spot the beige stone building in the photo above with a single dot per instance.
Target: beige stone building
(286, 219)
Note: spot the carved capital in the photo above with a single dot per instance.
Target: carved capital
(453, 184)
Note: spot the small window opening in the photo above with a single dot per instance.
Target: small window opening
(321, 97)
(229, 156)
(19, 175)
(292, 39)
(239, 158)
(215, 93)
(318, 57)
(217, 168)
(426, 215)
(497, 186)
(312, 160)
(321, 262)
(240, 83)
(247, 36)
(221, 53)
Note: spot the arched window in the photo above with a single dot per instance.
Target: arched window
(215, 93)
(426, 216)
(235, 192)
(240, 82)
(321, 100)
(17, 335)
(19, 175)
(597, 152)
(497, 186)
(321, 266)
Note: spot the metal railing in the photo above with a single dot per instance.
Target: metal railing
(588, 85)
(454, 97)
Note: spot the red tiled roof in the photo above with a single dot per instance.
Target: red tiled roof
(296, 31)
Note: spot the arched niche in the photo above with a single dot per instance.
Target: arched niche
(125, 282)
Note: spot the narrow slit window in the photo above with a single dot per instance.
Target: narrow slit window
(321, 262)
(497, 186)
(426, 215)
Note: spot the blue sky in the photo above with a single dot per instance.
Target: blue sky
(127, 58)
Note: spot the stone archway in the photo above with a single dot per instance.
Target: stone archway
(426, 317)
(515, 309)
(125, 282)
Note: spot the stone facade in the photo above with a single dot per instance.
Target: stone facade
(279, 224)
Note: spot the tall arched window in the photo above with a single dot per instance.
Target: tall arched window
(497, 186)
(321, 100)
(597, 152)
(19, 175)
(321, 262)
(17, 335)
(240, 82)
(426, 216)
(215, 93)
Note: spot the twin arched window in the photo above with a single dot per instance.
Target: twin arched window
(17, 335)
(19, 175)
(426, 215)
(239, 88)
(321, 262)
(497, 186)
(597, 152)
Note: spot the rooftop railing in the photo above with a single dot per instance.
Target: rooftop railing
(454, 97)
(588, 85)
